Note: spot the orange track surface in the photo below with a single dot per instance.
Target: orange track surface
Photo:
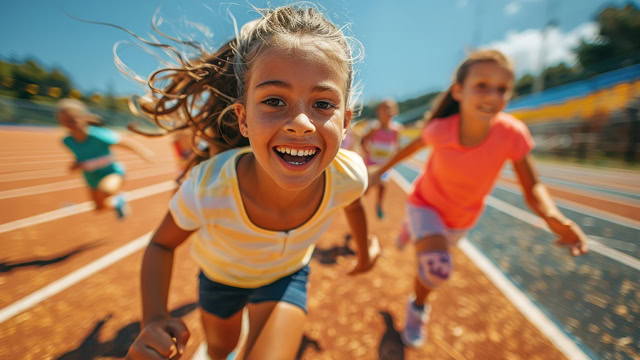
(349, 317)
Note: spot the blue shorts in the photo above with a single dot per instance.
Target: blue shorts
(223, 300)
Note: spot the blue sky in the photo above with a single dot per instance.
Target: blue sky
(411, 46)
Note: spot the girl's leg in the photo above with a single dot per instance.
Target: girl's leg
(99, 198)
(421, 292)
(379, 210)
(222, 334)
(110, 184)
(430, 270)
(275, 330)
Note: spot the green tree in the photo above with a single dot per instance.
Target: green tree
(28, 76)
(524, 85)
(58, 80)
(617, 44)
(561, 74)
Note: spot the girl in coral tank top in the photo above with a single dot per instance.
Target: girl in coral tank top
(471, 139)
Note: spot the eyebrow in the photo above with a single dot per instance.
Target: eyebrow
(283, 84)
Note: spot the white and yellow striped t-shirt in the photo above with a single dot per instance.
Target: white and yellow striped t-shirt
(232, 250)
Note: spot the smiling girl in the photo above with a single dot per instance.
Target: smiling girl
(254, 213)
(471, 139)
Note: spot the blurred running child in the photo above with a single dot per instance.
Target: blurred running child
(380, 143)
(91, 144)
(254, 213)
(471, 138)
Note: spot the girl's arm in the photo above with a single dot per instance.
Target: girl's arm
(364, 142)
(134, 146)
(160, 335)
(367, 246)
(538, 198)
(402, 154)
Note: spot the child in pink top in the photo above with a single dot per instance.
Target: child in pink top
(471, 139)
(380, 143)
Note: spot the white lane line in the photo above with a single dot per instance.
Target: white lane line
(528, 309)
(594, 245)
(84, 207)
(550, 329)
(33, 174)
(581, 208)
(582, 190)
(130, 160)
(73, 278)
(76, 183)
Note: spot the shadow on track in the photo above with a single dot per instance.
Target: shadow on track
(330, 256)
(91, 347)
(391, 346)
(6, 267)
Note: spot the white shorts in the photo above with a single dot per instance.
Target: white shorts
(426, 221)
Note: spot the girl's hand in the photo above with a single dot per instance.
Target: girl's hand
(569, 235)
(366, 261)
(161, 339)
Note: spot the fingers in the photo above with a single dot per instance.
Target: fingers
(576, 247)
(179, 330)
(160, 342)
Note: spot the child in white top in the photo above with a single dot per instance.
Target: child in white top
(283, 87)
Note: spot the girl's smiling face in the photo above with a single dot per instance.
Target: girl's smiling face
(294, 114)
(485, 92)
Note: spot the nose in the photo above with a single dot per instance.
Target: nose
(300, 124)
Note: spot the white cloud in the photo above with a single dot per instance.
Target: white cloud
(462, 3)
(524, 47)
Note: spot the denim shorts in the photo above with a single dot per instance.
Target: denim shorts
(223, 300)
(425, 221)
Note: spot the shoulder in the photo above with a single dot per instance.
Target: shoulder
(396, 126)
(217, 170)
(440, 130)
(511, 124)
(68, 140)
(348, 165)
(104, 134)
(349, 177)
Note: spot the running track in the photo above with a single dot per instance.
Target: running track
(69, 277)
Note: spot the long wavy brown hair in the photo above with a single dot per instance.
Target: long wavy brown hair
(200, 93)
(445, 105)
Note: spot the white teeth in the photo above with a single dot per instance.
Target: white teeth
(295, 152)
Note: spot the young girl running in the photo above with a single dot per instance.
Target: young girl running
(380, 143)
(471, 138)
(254, 213)
(91, 145)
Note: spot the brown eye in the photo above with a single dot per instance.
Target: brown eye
(324, 105)
(273, 102)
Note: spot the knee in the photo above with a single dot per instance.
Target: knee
(220, 351)
(434, 267)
